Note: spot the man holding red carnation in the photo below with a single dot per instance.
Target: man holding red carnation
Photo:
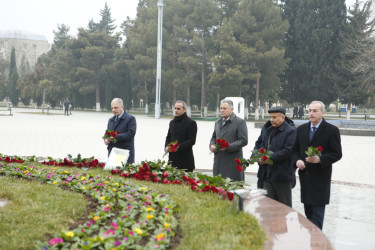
(277, 135)
(183, 130)
(126, 124)
(233, 130)
(315, 171)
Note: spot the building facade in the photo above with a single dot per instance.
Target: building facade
(28, 48)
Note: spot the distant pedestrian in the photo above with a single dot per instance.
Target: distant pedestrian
(234, 130)
(315, 172)
(66, 107)
(295, 112)
(70, 107)
(301, 112)
(183, 130)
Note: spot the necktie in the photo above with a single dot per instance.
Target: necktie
(224, 122)
(116, 119)
(313, 129)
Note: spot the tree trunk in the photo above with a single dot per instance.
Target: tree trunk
(257, 96)
(146, 98)
(203, 89)
(188, 93)
(97, 97)
(174, 100)
(44, 99)
(218, 102)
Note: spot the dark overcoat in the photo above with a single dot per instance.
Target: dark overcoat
(281, 145)
(184, 130)
(315, 179)
(127, 126)
(235, 133)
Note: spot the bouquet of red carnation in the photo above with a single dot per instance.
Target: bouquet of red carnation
(221, 143)
(312, 151)
(172, 147)
(111, 135)
(262, 155)
(257, 155)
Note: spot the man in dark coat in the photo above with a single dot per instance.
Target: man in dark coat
(301, 112)
(277, 135)
(315, 172)
(126, 124)
(295, 112)
(66, 107)
(184, 130)
(234, 130)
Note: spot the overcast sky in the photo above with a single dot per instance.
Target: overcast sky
(42, 16)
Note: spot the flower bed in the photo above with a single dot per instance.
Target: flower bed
(127, 216)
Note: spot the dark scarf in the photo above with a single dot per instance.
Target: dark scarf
(179, 118)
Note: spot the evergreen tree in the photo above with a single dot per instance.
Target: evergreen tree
(252, 51)
(4, 65)
(358, 54)
(313, 44)
(61, 36)
(106, 22)
(140, 48)
(13, 91)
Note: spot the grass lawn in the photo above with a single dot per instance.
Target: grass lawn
(36, 211)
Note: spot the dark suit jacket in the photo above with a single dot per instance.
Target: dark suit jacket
(315, 179)
(184, 130)
(127, 126)
(282, 143)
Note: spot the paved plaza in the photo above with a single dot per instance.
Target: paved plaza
(350, 218)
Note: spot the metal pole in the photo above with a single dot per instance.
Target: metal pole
(158, 64)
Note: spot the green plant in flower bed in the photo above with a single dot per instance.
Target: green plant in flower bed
(127, 216)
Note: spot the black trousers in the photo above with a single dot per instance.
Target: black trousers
(315, 214)
(280, 191)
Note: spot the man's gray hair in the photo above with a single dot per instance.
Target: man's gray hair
(227, 101)
(118, 100)
(321, 104)
(183, 103)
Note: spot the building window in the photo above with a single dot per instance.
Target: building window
(25, 47)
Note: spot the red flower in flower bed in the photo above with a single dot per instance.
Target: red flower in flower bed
(66, 163)
(145, 173)
(11, 160)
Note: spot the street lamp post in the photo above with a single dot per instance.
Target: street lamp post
(158, 64)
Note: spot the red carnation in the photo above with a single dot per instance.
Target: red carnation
(117, 132)
(265, 158)
(261, 150)
(239, 168)
(319, 148)
(165, 174)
